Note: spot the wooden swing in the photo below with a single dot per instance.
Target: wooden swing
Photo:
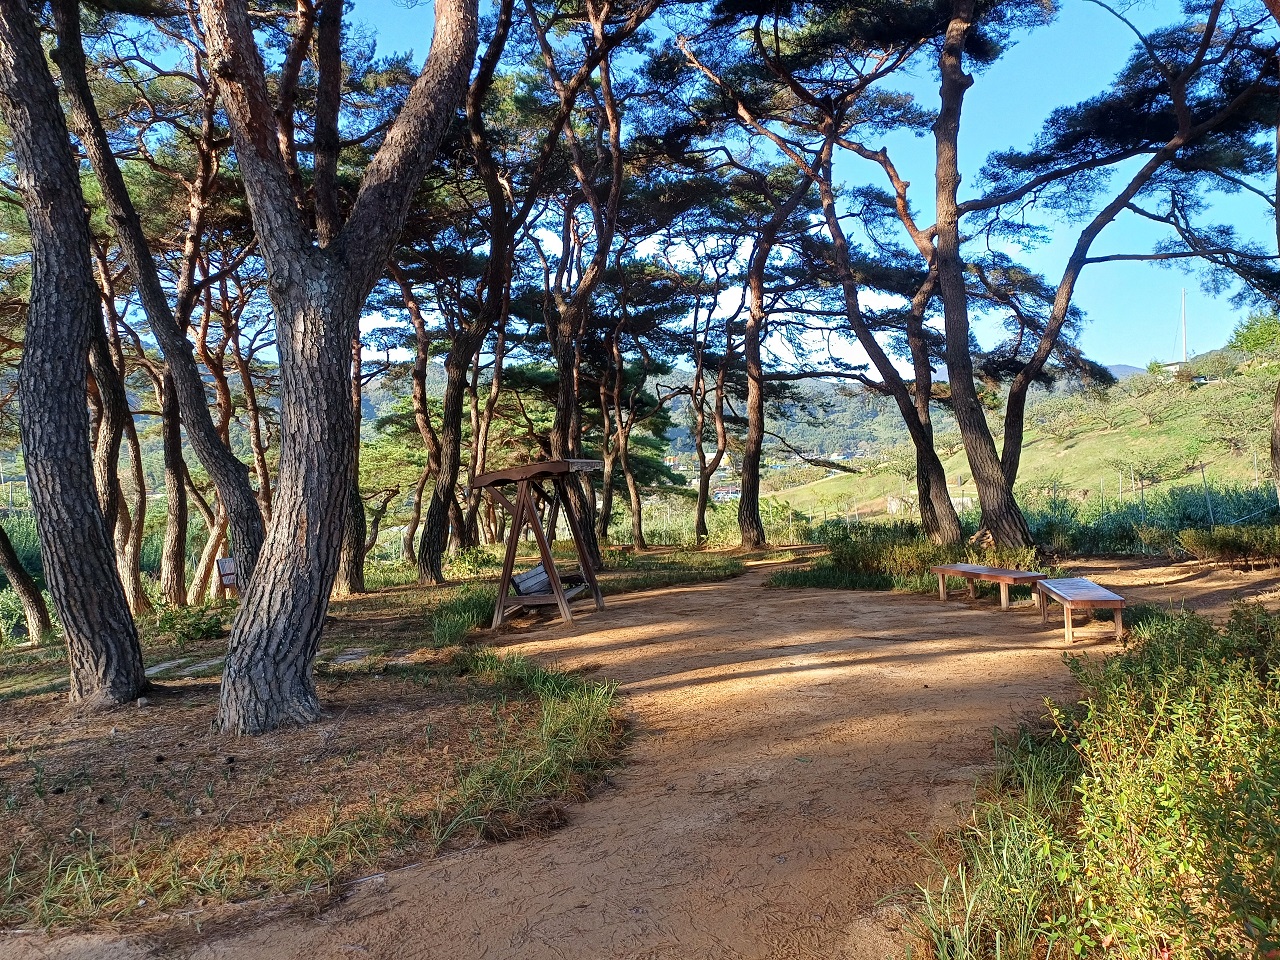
(543, 585)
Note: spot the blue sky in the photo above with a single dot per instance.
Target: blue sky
(1132, 308)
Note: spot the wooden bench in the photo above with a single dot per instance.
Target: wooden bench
(533, 588)
(1077, 593)
(972, 572)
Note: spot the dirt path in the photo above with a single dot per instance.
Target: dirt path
(787, 744)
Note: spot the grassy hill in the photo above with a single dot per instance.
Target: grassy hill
(1090, 456)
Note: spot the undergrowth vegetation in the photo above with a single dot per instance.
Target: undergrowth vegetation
(1145, 824)
(894, 556)
(1155, 522)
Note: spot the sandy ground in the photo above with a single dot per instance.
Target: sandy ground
(788, 746)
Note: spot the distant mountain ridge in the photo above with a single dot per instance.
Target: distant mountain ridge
(1122, 371)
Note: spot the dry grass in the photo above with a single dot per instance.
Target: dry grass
(124, 816)
(138, 811)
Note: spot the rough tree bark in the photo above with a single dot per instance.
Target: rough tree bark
(937, 513)
(1000, 513)
(227, 472)
(441, 507)
(350, 578)
(173, 555)
(131, 522)
(102, 642)
(317, 292)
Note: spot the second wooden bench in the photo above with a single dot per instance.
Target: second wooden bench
(972, 572)
(1077, 593)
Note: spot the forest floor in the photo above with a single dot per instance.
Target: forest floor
(792, 751)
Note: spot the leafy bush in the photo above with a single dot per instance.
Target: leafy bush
(1148, 824)
(1232, 544)
(183, 625)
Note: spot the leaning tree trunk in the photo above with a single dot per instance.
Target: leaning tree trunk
(440, 513)
(34, 609)
(633, 491)
(203, 578)
(130, 528)
(605, 515)
(350, 578)
(173, 555)
(102, 641)
(114, 404)
(937, 514)
(407, 553)
(1000, 513)
(1275, 442)
(227, 472)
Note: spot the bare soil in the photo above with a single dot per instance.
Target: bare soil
(790, 746)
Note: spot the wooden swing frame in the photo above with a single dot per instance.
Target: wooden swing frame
(529, 481)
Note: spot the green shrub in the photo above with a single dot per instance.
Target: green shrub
(894, 556)
(1138, 524)
(184, 625)
(1233, 544)
(1149, 822)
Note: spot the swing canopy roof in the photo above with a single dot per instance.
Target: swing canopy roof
(546, 470)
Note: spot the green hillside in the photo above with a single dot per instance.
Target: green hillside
(1221, 424)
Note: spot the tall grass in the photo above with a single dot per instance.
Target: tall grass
(1140, 524)
(1146, 824)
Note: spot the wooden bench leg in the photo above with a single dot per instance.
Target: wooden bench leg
(1043, 603)
(1119, 623)
(1066, 622)
(1004, 596)
(973, 589)
(942, 586)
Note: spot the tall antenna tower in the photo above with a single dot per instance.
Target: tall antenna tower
(1184, 324)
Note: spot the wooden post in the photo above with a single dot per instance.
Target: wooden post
(1066, 621)
(509, 560)
(942, 586)
(1004, 596)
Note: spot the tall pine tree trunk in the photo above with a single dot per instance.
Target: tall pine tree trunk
(318, 293)
(1000, 513)
(229, 475)
(350, 578)
(440, 514)
(131, 526)
(173, 555)
(268, 679)
(407, 553)
(102, 642)
(633, 491)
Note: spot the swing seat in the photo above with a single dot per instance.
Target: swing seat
(533, 587)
